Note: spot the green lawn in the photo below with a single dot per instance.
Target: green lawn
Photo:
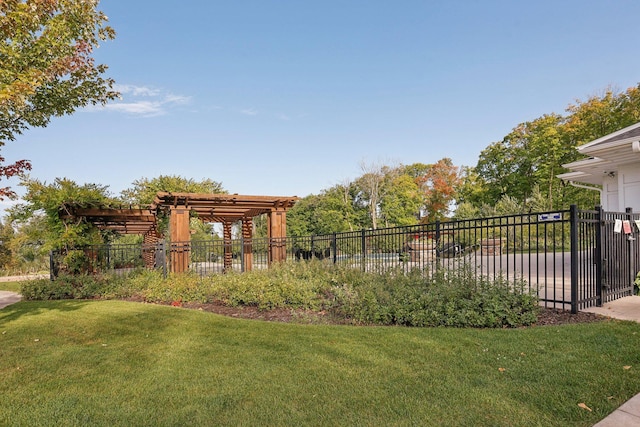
(10, 286)
(115, 363)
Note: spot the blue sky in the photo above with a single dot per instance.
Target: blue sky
(291, 97)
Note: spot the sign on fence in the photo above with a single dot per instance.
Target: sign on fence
(554, 216)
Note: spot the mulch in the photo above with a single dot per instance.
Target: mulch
(547, 316)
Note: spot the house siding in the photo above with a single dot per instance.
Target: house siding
(630, 177)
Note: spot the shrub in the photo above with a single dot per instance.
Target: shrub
(455, 298)
(183, 287)
(292, 285)
(80, 286)
(442, 298)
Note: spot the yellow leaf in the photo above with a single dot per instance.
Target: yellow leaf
(501, 369)
(583, 406)
(626, 367)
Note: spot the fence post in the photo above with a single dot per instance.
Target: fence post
(52, 275)
(438, 247)
(630, 239)
(598, 256)
(334, 248)
(573, 221)
(242, 243)
(161, 257)
(363, 247)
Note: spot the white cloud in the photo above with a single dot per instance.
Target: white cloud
(140, 108)
(136, 90)
(248, 112)
(143, 101)
(177, 99)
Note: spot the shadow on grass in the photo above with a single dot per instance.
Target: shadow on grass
(34, 308)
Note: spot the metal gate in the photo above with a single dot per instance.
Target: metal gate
(620, 254)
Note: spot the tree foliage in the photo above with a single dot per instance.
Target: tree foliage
(46, 66)
(383, 196)
(402, 202)
(52, 203)
(530, 157)
(333, 210)
(439, 183)
(144, 190)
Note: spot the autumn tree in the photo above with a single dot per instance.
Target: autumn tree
(438, 184)
(46, 66)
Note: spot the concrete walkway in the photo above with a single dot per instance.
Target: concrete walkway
(7, 298)
(627, 308)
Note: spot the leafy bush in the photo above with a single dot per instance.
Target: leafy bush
(183, 287)
(443, 298)
(293, 285)
(81, 286)
(455, 298)
(75, 261)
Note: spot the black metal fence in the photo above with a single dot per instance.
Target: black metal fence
(572, 259)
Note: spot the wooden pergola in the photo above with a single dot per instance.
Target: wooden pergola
(226, 209)
(218, 208)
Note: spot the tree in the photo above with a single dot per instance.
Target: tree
(51, 202)
(531, 155)
(144, 190)
(370, 186)
(46, 67)
(26, 244)
(6, 235)
(439, 184)
(331, 211)
(471, 188)
(401, 202)
(601, 115)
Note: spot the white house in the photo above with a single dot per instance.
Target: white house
(612, 168)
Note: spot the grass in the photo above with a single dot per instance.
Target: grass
(117, 363)
(10, 286)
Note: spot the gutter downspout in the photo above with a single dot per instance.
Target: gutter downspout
(575, 184)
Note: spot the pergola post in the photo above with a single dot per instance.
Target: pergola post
(149, 247)
(228, 250)
(247, 244)
(180, 239)
(277, 232)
